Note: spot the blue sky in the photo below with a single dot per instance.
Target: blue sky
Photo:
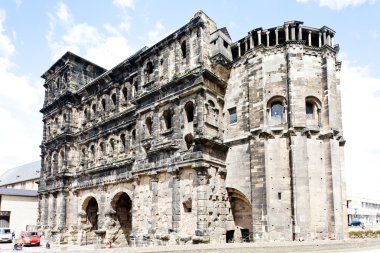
(33, 34)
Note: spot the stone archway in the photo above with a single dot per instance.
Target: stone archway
(90, 220)
(122, 215)
(241, 210)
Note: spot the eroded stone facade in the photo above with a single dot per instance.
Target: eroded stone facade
(197, 140)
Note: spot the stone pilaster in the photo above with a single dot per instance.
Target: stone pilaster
(154, 213)
(176, 200)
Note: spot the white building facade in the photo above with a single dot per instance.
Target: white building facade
(364, 210)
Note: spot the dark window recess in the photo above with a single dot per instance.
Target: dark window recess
(279, 195)
(149, 68)
(125, 93)
(189, 108)
(183, 49)
(149, 125)
(277, 111)
(233, 115)
(309, 110)
(168, 119)
(104, 104)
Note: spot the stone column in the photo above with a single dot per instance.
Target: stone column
(154, 213)
(200, 44)
(239, 50)
(201, 202)
(46, 210)
(276, 33)
(53, 212)
(299, 32)
(328, 39)
(176, 198)
(259, 37)
(246, 44)
(309, 38)
(286, 32)
(251, 41)
(39, 210)
(293, 32)
(320, 40)
(324, 37)
(62, 213)
(267, 32)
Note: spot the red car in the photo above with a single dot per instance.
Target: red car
(30, 238)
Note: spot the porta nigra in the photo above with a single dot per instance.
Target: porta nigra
(197, 139)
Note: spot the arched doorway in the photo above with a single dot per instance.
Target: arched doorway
(122, 205)
(91, 208)
(241, 210)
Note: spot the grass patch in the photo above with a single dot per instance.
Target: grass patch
(364, 234)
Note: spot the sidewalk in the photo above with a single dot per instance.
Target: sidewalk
(273, 247)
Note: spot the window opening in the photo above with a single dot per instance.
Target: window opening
(277, 110)
(149, 68)
(233, 115)
(309, 110)
(183, 49)
(168, 119)
(113, 98)
(103, 104)
(149, 125)
(189, 108)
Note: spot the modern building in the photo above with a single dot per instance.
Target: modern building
(22, 177)
(197, 139)
(18, 209)
(19, 197)
(365, 210)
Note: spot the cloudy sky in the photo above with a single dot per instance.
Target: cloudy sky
(34, 34)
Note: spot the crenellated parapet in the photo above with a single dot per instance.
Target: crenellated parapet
(291, 32)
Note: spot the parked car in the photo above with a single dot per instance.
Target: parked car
(29, 238)
(5, 235)
(356, 223)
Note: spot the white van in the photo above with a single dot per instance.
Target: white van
(5, 235)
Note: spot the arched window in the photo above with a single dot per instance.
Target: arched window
(103, 102)
(189, 109)
(309, 111)
(125, 93)
(277, 110)
(167, 119)
(101, 150)
(149, 68)
(92, 150)
(123, 142)
(94, 109)
(183, 49)
(133, 136)
(112, 146)
(149, 125)
(113, 99)
(312, 111)
(83, 156)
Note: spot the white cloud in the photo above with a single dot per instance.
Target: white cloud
(339, 4)
(63, 13)
(6, 47)
(20, 101)
(124, 3)
(156, 34)
(105, 47)
(360, 105)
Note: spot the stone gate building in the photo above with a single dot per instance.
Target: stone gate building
(197, 139)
